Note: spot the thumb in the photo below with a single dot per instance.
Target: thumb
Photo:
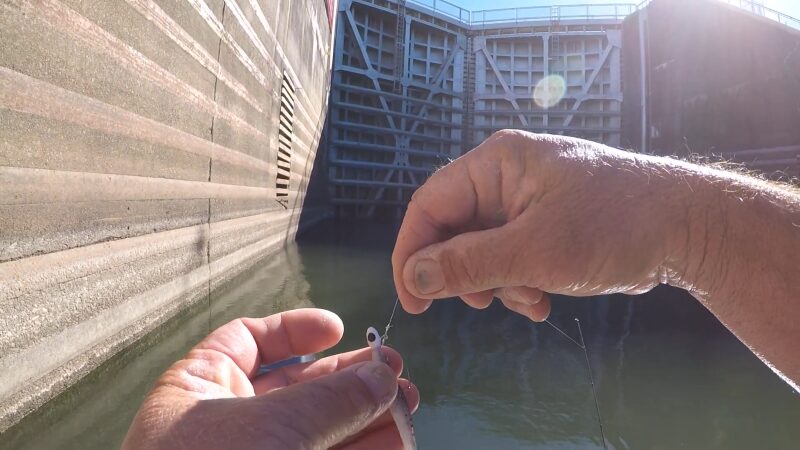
(320, 413)
(468, 263)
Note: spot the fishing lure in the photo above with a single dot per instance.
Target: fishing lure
(399, 408)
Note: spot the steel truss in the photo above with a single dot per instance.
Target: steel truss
(396, 119)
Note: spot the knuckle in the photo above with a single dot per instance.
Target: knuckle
(471, 261)
(510, 140)
(210, 355)
(293, 426)
(351, 397)
(460, 272)
(289, 431)
(423, 195)
(504, 134)
(333, 410)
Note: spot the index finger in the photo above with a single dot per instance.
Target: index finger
(446, 202)
(466, 195)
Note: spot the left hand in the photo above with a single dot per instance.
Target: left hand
(212, 398)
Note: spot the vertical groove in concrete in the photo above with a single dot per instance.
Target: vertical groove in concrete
(210, 167)
(119, 205)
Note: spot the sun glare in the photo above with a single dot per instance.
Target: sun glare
(549, 91)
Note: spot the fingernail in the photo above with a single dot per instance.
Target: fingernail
(426, 305)
(380, 379)
(428, 276)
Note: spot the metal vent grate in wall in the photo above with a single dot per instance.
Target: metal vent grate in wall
(285, 133)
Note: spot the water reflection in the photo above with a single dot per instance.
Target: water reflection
(668, 374)
(96, 413)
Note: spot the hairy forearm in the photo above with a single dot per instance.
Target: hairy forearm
(742, 259)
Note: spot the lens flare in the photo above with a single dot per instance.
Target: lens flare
(549, 91)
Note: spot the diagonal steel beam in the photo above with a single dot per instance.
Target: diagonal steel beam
(408, 83)
(379, 192)
(506, 88)
(400, 162)
(588, 85)
(437, 80)
(362, 47)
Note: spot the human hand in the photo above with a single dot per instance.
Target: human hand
(524, 214)
(212, 399)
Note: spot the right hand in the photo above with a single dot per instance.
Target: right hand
(524, 214)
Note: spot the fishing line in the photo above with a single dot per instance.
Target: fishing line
(582, 346)
(399, 408)
(386, 334)
(547, 321)
(591, 379)
(391, 318)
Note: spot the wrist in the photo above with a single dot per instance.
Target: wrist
(734, 232)
(697, 228)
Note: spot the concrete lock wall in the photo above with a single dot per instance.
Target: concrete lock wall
(717, 80)
(149, 151)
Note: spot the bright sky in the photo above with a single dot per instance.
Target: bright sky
(790, 7)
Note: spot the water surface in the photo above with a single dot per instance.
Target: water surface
(668, 375)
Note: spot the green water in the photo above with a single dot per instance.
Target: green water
(668, 375)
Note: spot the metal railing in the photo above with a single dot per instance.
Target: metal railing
(614, 11)
(610, 11)
(763, 11)
(445, 8)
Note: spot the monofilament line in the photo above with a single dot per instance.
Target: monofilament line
(391, 318)
(582, 346)
(591, 379)
(547, 321)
